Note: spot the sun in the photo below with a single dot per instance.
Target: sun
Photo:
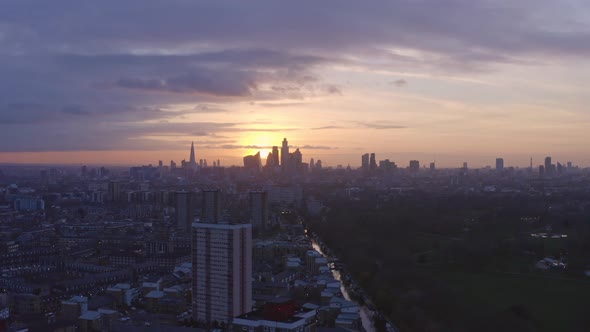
(262, 142)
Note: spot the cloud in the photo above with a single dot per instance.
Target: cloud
(107, 75)
(280, 104)
(204, 108)
(399, 83)
(75, 110)
(231, 147)
(197, 82)
(263, 147)
(380, 125)
(333, 90)
(469, 30)
(327, 127)
(316, 147)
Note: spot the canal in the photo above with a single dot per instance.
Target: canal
(365, 312)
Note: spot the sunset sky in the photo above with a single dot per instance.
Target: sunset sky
(132, 82)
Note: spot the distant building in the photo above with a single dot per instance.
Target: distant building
(270, 161)
(259, 208)
(29, 204)
(184, 209)
(285, 155)
(222, 271)
(192, 163)
(114, 191)
(318, 164)
(499, 164)
(253, 163)
(296, 160)
(275, 156)
(549, 167)
(211, 208)
(372, 163)
(414, 166)
(386, 165)
(365, 162)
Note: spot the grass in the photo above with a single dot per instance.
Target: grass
(556, 304)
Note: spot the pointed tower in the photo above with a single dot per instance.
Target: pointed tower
(192, 161)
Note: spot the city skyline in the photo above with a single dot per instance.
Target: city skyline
(519, 161)
(413, 83)
(294, 166)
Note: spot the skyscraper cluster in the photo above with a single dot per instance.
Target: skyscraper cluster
(548, 168)
(285, 161)
(369, 164)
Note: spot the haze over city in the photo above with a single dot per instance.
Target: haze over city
(294, 166)
(134, 82)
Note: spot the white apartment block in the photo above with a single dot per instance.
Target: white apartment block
(222, 271)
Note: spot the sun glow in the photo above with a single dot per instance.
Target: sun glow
(262, 142)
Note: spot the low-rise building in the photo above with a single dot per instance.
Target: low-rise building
(278, 315)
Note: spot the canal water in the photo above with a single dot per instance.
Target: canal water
(365, 312)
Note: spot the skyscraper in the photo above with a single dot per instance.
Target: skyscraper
(269, 160)
(259, 208)
(372, 163)
(296, 160)
(275, 156)
(184, 209)
(222, 271)
(285, 155)
(253, 163)
(499, 164)
(548, 166)
(192, 160)
(414, 166)
(365, 162)
(211, 210)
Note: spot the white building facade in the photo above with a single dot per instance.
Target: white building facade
(222, 271)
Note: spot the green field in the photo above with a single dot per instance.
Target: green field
(556, 304)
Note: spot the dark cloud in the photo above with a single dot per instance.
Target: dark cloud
(232, 84)
(75, 110)
(100, 75)
(399, 83)
(333, 90)
(474, 30)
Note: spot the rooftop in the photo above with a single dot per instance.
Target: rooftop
(90, 315)
(258, 315)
